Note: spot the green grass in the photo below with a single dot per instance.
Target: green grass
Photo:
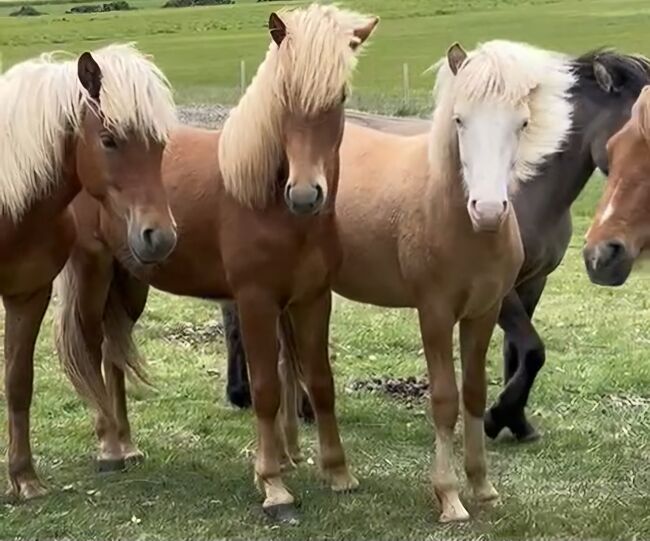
(201, 48)
(588, 478)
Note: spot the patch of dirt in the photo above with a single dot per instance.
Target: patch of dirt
(195, 335)
(409, 390)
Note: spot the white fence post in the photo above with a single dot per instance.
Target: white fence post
(406, 89)
(242, 76)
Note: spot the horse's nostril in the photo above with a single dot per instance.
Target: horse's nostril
(148, 234)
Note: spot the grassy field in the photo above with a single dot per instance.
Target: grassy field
(201, 48)
(589, 477)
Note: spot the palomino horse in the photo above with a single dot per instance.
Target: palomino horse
(620, 231)
(255, 207)
(99, 123)
(607, 85)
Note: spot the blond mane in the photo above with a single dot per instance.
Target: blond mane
(641, 111)
(507, 72)
(42, 100)
(306, 74)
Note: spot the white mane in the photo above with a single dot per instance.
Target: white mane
(509, 72)
(42, 100)
(306, 74)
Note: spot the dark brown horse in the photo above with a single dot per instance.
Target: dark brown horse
(620, 231)
(100, 124)
(254, 205)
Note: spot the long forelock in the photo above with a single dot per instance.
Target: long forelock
(306, 75)
(43, 101)
(514, 74)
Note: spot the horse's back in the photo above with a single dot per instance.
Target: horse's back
(396, 125)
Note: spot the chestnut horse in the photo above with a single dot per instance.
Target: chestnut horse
(255, 207)
(98, 123)
(620, 231)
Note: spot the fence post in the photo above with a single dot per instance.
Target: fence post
(405, 83)
(242, 76)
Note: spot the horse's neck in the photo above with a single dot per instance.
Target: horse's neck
(550, 194)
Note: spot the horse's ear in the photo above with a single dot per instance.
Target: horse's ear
(603, 77)
(277, 28)
(456, 55)
(361, 34)
(90, 74)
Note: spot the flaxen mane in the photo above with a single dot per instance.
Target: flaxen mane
(42, 99)
(509, 72)
(306, 74)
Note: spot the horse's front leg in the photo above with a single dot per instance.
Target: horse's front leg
(23, 317)
(310, 324)
(475, 337)
(258, 313)
(437, 325)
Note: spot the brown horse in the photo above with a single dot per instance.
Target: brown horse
(99, 123)
(620, 231)
(254, 205)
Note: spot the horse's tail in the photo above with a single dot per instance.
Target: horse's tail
(79, 364)
(119, 347)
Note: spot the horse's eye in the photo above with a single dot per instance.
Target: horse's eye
(524, 124)
(108, 141)
(458, 121)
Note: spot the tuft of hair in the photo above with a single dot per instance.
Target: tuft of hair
(78, 361)
(508, 72)
(306, 75)
(43, 101)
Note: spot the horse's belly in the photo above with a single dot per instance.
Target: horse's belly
(372, 280)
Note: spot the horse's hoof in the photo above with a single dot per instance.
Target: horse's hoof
(491, 426)
(529, 435)
(283, 513)
(27, 489)
(240, 397)
(110, 465)
(343, 482)
(133, 458)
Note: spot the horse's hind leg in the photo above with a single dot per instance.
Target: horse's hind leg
(84, 285)
(437, 326)
(310, 325)
(127, 299)
(515, 319)
(475, 337)
(237, 388)
(23, 317)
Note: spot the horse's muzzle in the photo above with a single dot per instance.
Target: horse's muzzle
(151, 245)
(608, 263)
(304, 199)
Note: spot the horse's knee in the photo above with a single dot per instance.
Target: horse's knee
(535, 357)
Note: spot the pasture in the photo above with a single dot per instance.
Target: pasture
(589, 477)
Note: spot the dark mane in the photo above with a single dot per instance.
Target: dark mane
(630, 73)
